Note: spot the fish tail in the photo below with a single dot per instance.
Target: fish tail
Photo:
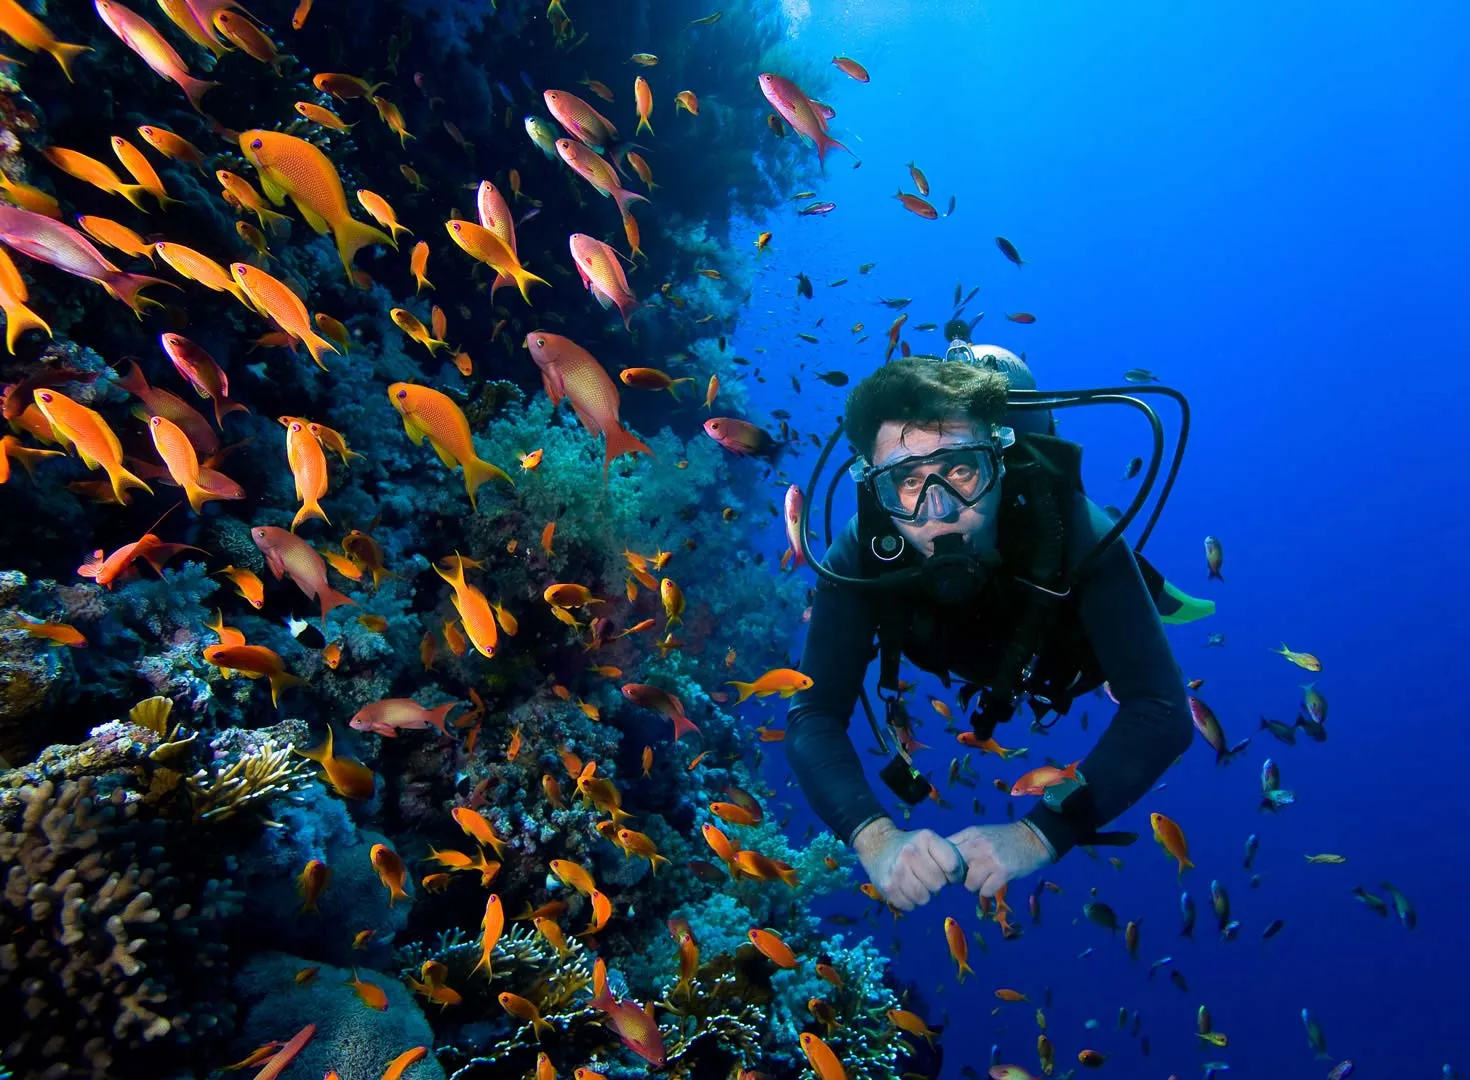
(622, 196)
(315, 343)
(643, 124)
(476, 472)
(280, 681)
(223, 407)
(129, 288)
(501, 280)
(745, 688)
(134, 194)
(198, 496)
(1215, 575)
(824, 143)
(352, 236)
(621, 441)
(272, 220)
(523, 278)
(195, 89)
(330, 598)
(19, 319)
(64, 54)
(122, 481)
(395, 229)
(309, 509)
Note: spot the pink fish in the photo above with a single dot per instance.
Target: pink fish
(390, 715)
(793, 524)
(797, 110)
(602, 274)
(663, 702)
(635, 1025)
(570, 371)
(585, 124)
(743, 438)
(171, 407)
(597, 172)
(206, 376)
(495, 216)
(49, 241)
(138, 34)
(287, 554)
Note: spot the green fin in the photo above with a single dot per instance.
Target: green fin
(1188, 609)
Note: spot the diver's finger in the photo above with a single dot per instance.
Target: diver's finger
(924, 862)
(978, 873)
(961, 868)
(994, 882)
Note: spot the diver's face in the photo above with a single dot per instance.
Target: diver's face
(975, 523)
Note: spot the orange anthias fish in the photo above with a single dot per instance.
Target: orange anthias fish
(119, 237)
(772, 947)
(381, 211)
(308, 465)
(474, 611)
(959, 948)
(1171, 838)
(51, 242)
(601, 271)
(491, 925)
(429, 414)
(570, 371)
(349, 778)
(391, 871)
(661, 701)
(287, 554)
(294, 167)
(311, 883)
(83, 430)
(144, 39)
(254, 662)
(179, 456)
(30, 34)
(171, 145)
(142, 170)
(389, 716)
(370, 994)
(783, 681)
(274, 299)
(587, 164)
(344, 87)
(13, 296)
(1039, 779)
(201, 269)
(484, 245)
(643, 99)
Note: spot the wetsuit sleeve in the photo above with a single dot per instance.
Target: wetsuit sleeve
(838, 648)
(1152, 726)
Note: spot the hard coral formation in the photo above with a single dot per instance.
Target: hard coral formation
(108, 938)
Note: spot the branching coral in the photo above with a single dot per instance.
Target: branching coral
(254, 779)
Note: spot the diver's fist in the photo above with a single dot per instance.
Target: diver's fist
(997, 854)
(907, 867)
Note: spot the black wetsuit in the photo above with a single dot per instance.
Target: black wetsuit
(1120, 624)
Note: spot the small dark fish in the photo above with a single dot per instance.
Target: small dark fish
(840, 919)
(1220, 901)
(1133, 468)
(1186, 911)
(962, 304)
(1177, 978)
(951, 207)
(832, 378)
(705, 871)
(1214, 557)
(1375, 904)
(810, 339)
(1252, 844)
(1315, 731)
(1214, 641)
(1161, 962)
(742, 361)
(795, 385)
(815, 441)
(1099, 913)
(1316, 1038)
(897, 303)
(803, 286)
(926, 327)
(1341, 1071)
(1401, 905)
(780, 414)
(1008, 249)
(866, 267)
(834, 284)
(1140, 375)
(1230, 930)
(817, 208)
(1143, 1046)
(1284, 732)
(528, 215)
(1025, 318)
(1273, 929)
(722, 343)
(505, 92)
(803, 195)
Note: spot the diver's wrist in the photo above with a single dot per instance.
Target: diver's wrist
(1051, 852)
(871, 833)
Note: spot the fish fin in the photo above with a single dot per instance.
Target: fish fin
(122, 481)
(195, 89)
(352, 236)
(315, 343)
(280, 682)
(134, 194)
(309, 509)
(523, 278)
(19, 319)
(64, 54)
(129, 289)
(476, 472)
(621, 441)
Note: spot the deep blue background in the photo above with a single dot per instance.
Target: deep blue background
(1266, 204)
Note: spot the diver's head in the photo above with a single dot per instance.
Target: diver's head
(929, 438)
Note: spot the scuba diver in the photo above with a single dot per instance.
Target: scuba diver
(975, 553)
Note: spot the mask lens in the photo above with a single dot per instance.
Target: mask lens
(928, 486)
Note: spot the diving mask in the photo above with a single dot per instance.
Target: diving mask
(935, 486)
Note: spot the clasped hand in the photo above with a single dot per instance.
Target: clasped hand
(909, 868)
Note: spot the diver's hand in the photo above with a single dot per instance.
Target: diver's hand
(907, 867)
(998, 854)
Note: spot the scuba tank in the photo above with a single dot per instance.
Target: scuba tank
(1017, 374)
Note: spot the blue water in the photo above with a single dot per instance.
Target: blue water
(1265, 206)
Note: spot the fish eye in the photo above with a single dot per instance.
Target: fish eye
(255, 144)
(402, 394)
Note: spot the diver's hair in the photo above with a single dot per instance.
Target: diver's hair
(922, 392)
